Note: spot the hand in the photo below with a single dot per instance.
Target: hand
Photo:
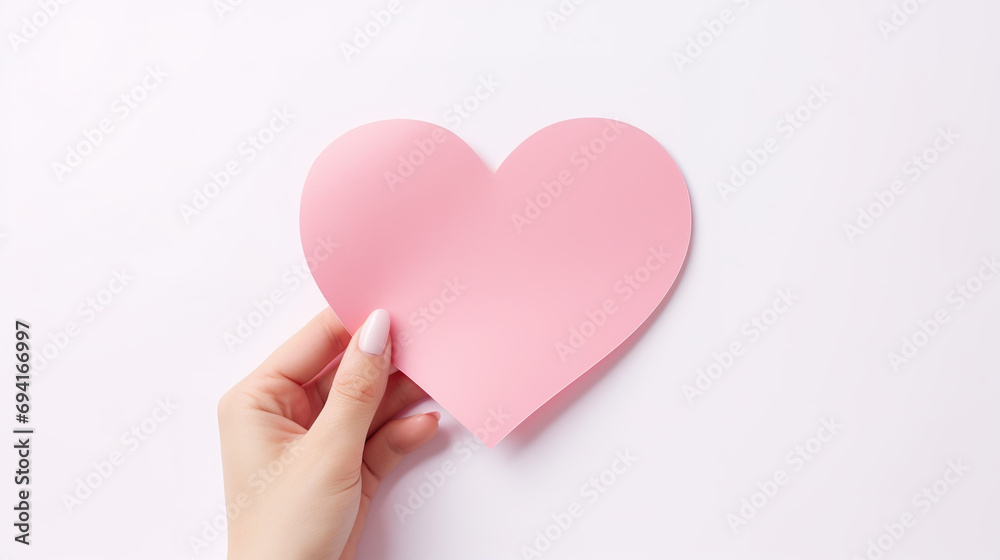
(305, 445)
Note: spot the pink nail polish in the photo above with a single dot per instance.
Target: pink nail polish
(374, 333)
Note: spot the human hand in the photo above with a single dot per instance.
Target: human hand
(305, 445)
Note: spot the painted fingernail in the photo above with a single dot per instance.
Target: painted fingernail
(435, 414)
(374, 333)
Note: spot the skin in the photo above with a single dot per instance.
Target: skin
(306, 438)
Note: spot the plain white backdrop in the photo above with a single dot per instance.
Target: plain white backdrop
(897, 72)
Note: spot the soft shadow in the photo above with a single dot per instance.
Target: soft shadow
(377, 537)
(527, 431)
(378, 534)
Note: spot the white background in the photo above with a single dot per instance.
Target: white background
(826, 357)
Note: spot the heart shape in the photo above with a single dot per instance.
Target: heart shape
(502, 288)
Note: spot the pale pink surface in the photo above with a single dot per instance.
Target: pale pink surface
(493, 350)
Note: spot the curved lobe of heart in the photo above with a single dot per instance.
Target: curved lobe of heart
(502, 287)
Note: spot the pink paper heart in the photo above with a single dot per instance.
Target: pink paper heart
(502, 288)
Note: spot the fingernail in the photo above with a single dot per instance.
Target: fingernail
(435, 414)
(374, 333)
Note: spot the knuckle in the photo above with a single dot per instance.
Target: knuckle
(233, 401)
(393, 446)
(400, 393)
(337, 338)
(361, 385)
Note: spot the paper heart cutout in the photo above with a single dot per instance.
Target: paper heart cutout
(502, 288)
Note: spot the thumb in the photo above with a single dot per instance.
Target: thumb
(357, 389)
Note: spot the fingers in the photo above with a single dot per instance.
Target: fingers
(324, 380)
(311, 349)
(397, 438)
(357, 388)
(400, 392)
(382, 453)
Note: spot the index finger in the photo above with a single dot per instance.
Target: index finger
(311, 349)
